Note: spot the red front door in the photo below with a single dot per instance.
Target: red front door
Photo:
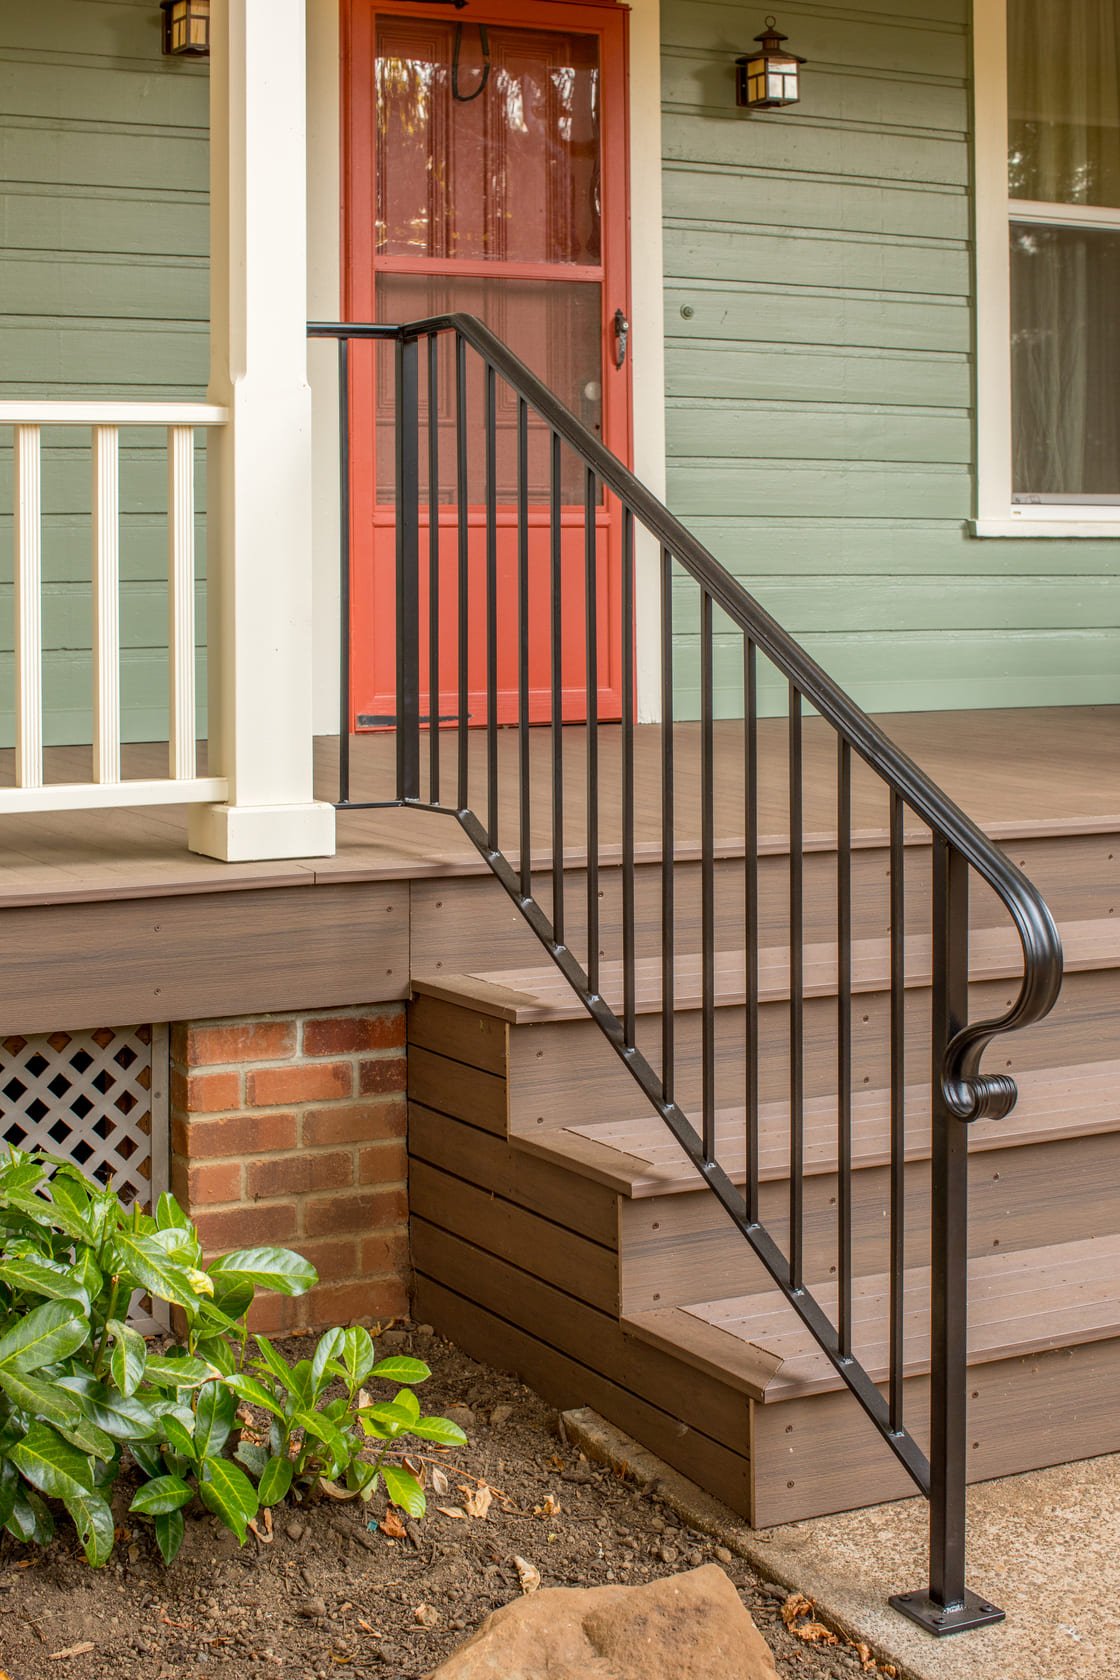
(486, 174)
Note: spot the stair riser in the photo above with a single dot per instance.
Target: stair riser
(821, 1454)
(682, 1248)
(471, 925)
(550, 1060)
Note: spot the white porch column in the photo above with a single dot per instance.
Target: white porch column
(259, 465)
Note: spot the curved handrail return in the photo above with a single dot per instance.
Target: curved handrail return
(465, 361)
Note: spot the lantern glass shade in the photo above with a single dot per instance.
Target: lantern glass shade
(186, 27)
(769, 77)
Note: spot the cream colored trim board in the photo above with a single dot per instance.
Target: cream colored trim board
(1063, 528)
(324, 287)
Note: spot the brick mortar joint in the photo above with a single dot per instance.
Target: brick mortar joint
(384, 1053)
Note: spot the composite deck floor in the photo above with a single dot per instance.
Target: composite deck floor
(1014, 772)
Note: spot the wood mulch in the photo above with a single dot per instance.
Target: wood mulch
(329, 1597)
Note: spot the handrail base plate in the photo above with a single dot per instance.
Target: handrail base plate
(940, 1619)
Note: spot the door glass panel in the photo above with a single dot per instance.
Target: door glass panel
(553, 325)
(1065, 353)
(509, 175)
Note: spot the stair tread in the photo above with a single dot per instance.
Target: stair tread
(1020, 1303)
(541, 993)
(639, 1157)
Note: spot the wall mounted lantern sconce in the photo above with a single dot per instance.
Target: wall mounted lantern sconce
(769, 77)
(186, 28)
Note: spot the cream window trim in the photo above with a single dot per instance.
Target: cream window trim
(996, 514)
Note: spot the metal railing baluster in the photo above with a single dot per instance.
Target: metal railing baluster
(796, 996)
(668, 837)
(898, 1112)
(750, 917)
(491, 428)
(556, 564)
(433, 572)
(591, 672)
(629, 989)
(525, 837)
(462, 493)
(844, 1042)
(707, 880)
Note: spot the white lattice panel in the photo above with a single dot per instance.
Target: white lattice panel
(96, 1098)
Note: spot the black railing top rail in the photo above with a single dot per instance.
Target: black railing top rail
(969, 1094)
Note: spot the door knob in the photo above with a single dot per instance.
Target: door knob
(621, 337)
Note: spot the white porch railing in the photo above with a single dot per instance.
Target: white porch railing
(104, 421)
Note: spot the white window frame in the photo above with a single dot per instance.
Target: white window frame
(996, 514)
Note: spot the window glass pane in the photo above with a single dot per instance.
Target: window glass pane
(1065, 361)
(509, 173)
(553, 325)
(1063, 100)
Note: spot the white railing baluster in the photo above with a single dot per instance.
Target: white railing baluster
(182, 760)
(28, 603)
(106, 605)
(177, 422)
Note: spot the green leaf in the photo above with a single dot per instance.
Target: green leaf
(276, 1363)
(252, 1456)
(401, 1370)
(40, 1399)
(406, 1401)
(179, 1372)
(390, 1420)
(147, 1457)
(51, 1464)
(214, 1419)
(72, 1205)
(267, 1268)
(317, 1427)
(233, 1295)
(9, 1487)
(30, 1520)
(144, 1261)
(124, 1417)
(43, 1276)
(356, 1356)
(93, 1520)
(441, 1430)
(48, 1333)
(129, 1356)
(86, 1435)
(163, 1494)
(218, 1351)
(275, 1481)
(404, 1490)
(228, 1492)
(248, 1388)
(170, 1529)
(180, 1246)
(169, 1215)
(328, 1347)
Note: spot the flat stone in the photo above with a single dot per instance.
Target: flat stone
(684, 1627)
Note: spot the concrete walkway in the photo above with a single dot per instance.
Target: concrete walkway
(1045, 1547)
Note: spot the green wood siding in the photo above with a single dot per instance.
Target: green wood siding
(820, 392)
(103, 293)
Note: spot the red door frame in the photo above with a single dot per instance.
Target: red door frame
(360, 265)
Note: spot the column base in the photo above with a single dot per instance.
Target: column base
(256, 833)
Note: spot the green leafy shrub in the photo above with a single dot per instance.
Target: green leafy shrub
(80, 1389)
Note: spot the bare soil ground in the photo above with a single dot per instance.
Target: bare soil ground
(328, 1597)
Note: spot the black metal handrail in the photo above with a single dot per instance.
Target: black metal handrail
(960, 1091)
